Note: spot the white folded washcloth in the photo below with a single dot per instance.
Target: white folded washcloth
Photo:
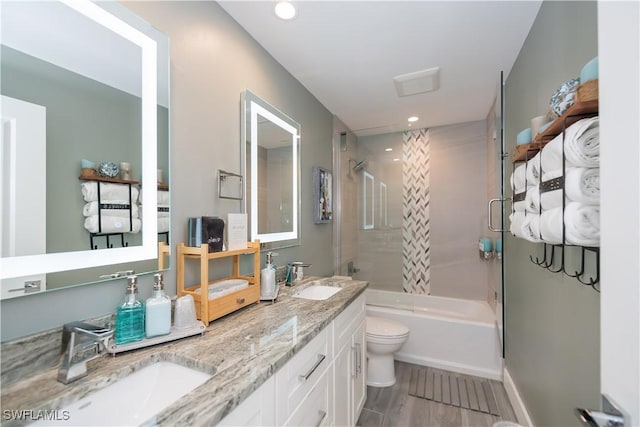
(519, 178)
(111, 224)
(581, 222)
(91, 208)
(581, 147)
(108, 191)
(533, 170)
(581, 185)
(532, 200)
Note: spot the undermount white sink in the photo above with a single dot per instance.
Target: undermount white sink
(133, 400)
(317, 292)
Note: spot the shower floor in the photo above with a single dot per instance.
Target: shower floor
(393, 406)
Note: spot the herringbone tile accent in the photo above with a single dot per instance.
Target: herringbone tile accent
(415, 212)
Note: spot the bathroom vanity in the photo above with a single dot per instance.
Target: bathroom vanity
(296, 361)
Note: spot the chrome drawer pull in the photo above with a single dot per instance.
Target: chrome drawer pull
(354, 352)
(306, 376)
(323, 415)
(359, 365)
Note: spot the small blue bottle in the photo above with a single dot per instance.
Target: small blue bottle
(130, 315)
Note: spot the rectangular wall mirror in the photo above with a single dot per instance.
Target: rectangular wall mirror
(99, 77)
(272, 169)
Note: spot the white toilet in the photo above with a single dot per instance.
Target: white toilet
(384, 338)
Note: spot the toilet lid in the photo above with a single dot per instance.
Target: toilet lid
(377, 326)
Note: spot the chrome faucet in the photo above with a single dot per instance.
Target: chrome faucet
(295, 272)
(81, 342)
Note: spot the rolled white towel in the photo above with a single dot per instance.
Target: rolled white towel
(521, 205)
(582, 225)
(91, 208)
(581, 147)
(108, 191)
(519, 177)
(551, 226)
(581, 185)
(533, 170)
(163, 211)
(164, 224)
(531, 228)
(516, 220)
(111, 224)
(532, 200)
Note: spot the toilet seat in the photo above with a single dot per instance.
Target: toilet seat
(380, 328)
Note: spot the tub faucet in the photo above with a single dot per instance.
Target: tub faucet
(81, 342)
(295, 272)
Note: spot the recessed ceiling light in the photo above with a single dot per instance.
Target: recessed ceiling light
(285, 10)
(388, 149)
(413, 119)
(396, 159)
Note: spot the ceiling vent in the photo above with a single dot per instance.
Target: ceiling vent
(417, 82)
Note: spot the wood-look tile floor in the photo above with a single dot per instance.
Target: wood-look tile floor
(393, 406)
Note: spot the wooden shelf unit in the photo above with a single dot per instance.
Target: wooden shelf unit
(571, 115)
(218, 307)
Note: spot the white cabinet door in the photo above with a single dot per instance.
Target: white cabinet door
(256, 410)
(342, 387)
(359, 378)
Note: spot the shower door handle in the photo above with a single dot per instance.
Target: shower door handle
(490, 216)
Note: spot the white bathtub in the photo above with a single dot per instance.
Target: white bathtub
(447, 333)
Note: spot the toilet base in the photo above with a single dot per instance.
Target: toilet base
(381, 370)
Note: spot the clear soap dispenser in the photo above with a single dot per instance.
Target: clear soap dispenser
(268, 278)
(130, 315)
(158, 310)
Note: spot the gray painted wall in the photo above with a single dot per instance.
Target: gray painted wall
(212, 61)
(552, 321)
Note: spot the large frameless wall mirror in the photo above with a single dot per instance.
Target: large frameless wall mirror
(271, 153)
(90, 81)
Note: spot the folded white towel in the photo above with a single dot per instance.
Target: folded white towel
(163, 198)
(531, 228)
(533, 170)
(91, 208)
(164, 224)
(519, 176)
(581, 185)
(111, 224)
(521, 205)
(533, 199)
(581, 147)
(163, 213)
(582, 225)
(108, 191)
(516, 220)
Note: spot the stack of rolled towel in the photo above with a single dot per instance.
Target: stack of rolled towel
(525, 218)
(116, 205)
(164, 223)
(581, 186)
(544, 216)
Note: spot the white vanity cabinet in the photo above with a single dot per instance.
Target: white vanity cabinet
(350, 382)
(324, 384)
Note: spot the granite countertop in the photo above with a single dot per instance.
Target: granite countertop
(242, 350)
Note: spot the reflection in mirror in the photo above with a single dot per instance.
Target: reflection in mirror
(383, 205)
(100, 83)
(272, 170)
(368, 200)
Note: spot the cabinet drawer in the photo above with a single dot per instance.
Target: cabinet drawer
(296, 378)
(347, 322)
(315, 410)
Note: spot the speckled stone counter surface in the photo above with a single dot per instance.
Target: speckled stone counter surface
(242, 350)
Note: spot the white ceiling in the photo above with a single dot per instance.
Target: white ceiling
(346, 54)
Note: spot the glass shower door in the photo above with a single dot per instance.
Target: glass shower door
(497, 206)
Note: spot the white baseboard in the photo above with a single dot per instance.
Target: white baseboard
(449, 366)
(516, 401)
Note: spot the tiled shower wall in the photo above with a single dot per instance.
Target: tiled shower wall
(458, 182)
